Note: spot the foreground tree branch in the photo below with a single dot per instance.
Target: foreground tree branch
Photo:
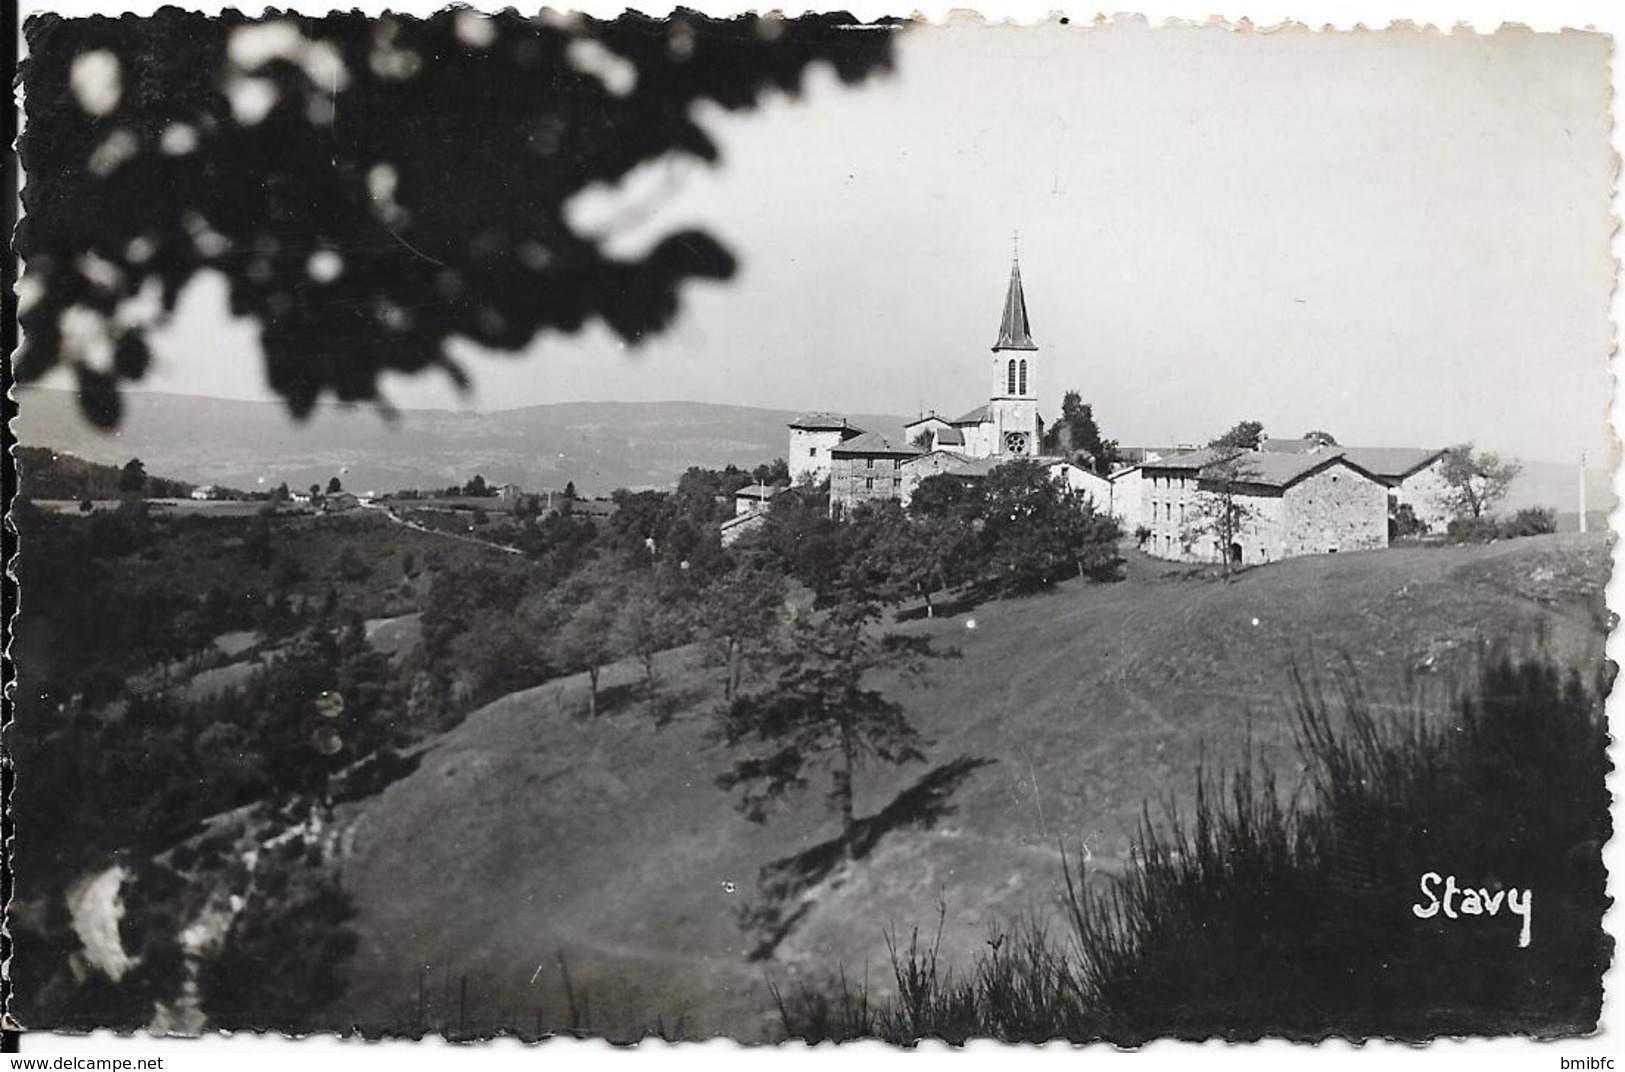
(369, 188)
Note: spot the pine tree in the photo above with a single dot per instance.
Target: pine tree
(820, 711)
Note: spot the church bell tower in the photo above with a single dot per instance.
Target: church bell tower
(1013, 403)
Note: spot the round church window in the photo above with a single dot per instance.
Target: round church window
(1015, 442)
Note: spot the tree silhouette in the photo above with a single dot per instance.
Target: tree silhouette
(132, 478)
(369, 188)
(1475, 482)
(1076, 429)
(1246, 435)
(821, 711)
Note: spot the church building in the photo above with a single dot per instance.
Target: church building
(1008, 425)
(864, 466)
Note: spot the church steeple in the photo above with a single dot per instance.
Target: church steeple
(1014, 331)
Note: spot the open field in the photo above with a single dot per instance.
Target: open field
(531, 841)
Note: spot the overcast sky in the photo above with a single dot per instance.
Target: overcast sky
(1400, 238)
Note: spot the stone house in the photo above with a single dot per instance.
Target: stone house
(1414, 478)
(930, 463)
(1413, 474)
(1290, 505)
(812, 437)
(1086, 482)
(753, 498)
(866, 468)
(339, 501)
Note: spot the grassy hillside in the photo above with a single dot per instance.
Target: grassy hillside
(47, 474)
(530, 838)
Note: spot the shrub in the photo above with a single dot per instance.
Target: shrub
(1405, 524)
(1535, 521)
(1267, 918)
(1473, 530)
(350, 567)
(285, 957)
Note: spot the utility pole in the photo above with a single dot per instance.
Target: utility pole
(1582, 491)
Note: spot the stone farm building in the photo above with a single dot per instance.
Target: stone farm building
(1283, 505)
(1413, 474)
(1292, 497)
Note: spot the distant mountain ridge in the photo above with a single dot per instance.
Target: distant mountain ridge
(598, 445)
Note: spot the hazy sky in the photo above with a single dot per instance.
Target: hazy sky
(1401, 238)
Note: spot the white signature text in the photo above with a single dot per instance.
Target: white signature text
(1456, 901)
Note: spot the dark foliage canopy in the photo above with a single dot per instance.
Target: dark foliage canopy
(1076, 429)
(1246, 435)
(369, 188)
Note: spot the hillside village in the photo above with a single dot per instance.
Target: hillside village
(1240, 503)
(520, 654)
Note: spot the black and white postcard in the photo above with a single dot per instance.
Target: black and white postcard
(809, 527)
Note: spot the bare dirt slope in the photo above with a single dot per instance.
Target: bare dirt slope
(530, 835)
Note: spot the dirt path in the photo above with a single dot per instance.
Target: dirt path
(415, 527)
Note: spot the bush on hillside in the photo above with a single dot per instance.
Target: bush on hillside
(1268, 919)
(286, 957)
(1535, 521)
(1473, 530)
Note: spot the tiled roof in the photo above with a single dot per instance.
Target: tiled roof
(821, 422)
(757, 491)
(1290, 446)
(951, 436)
(872, 443)
(1281, 470)
(927, 419)
(975, 416)
(1391, 463)
(978, 467)
(1191, 459)
(949, 455)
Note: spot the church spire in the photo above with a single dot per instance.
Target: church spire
(1014, 331)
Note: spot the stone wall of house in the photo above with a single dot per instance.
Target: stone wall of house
(1424, 490)
(1195, 538)
(862, 478)
(918, 468)
(1092, 486)
(1128, 499)
(1169, 497)
(809, 452)
(1336, 509)
(928, 426)
(742, 525)
(1259, 533)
